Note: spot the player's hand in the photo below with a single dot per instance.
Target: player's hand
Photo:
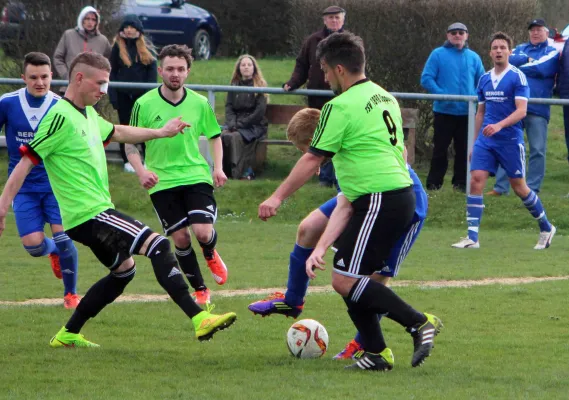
(315, 261)
(148, 179)
(2, 222)
(269, 207)
(286, 87)
(491, 129)
(219, 177)
(173, 127)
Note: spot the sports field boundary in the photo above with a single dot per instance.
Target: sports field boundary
(440, 284)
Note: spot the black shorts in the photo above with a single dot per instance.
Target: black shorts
(112, 236)
(378, 221)
(181, 206)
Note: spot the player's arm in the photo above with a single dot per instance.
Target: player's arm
(12, 187)
(338, 221)
(216, 148)
(133, 134)
(479, 119)
(304, 169)
(513, 118)
(147, 179)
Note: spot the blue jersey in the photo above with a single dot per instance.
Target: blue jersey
(499, 94)
(20, 115)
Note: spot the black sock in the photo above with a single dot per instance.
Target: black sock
(209, 247)
(368, 326)
(103, 292)
(383, 300)
(189, 264)
(169, 276)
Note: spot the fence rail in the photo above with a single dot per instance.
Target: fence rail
(212, 89)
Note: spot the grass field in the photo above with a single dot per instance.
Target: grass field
(501, 341)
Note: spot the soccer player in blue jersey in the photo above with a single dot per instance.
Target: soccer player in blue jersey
(35, 205)
(503, 95)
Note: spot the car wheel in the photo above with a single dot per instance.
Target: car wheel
(202, 45)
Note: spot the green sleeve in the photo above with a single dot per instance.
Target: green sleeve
(106, 129)
(330, 131)
(48, 136)
(208, 123)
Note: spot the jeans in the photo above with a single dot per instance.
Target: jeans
(566, 124)
(327, 175)
(536, 131)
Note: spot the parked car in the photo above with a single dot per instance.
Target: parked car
(164, 21)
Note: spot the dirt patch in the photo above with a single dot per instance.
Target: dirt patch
(145, 298)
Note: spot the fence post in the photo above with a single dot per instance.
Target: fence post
(211, 98)
(471, 123)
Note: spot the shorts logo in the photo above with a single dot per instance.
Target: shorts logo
(175, 271)
(385, 269)
(518, 172)
(340, 263)
(164, 223)
(210, 208)
(158, 119)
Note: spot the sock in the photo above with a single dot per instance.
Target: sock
(189, 265)
(43, 249)
(358, 337)
(169, 276)
(474, 209)
(103, 292)
(297, 279)
(535, 208)
(209, 247)
(369, 329)
(367, 293)
(68, 261)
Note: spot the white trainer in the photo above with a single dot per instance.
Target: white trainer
(466, 243)
(545, 239)
(128, 168)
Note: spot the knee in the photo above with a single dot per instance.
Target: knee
(203, 233)
(35, 247)
(182, 238)
(305, 232)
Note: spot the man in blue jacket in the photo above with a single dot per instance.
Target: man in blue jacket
(563, 86)
(451, 69)
(540, 63)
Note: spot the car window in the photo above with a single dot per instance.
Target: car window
(153, 3)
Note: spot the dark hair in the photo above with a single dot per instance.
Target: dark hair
(345, 49)
(95, 60)
(179, 51)
(36, 58)
(502, 36)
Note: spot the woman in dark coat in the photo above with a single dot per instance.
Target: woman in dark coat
(132, 60)
(245, 121)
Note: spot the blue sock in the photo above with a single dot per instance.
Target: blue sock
(358, 337)
(297, 279)
(535, 208)
(474, 209)
(43, 249)
(67, 260)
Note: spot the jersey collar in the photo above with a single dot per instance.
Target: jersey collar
(169, 102)
(83, 111)
(358, 83)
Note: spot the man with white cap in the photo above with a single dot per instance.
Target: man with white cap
(451, 69)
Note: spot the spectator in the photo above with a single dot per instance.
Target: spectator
(539, 62)
(132, 60)
(563, 86)
(245, 120)
(451, 69)
(307, 68)
(84, 37)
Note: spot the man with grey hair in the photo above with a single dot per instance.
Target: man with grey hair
(540, 63)
(451, 69)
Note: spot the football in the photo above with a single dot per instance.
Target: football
(307, 338)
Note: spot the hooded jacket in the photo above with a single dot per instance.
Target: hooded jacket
(76, 40)
(452, 71)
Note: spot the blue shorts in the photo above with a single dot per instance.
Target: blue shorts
(34, 210)
(510, 156)
(402, 247)
(329, 206)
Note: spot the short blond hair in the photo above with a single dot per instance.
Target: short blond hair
(302, 125)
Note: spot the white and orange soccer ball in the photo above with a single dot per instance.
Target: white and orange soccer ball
(307, 338)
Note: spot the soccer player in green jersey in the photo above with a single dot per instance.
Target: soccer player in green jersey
(178, 177)
(70, 140)
(361, 130)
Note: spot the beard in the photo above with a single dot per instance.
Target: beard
(172, 87)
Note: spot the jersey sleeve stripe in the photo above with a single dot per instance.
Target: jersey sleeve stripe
(26, 150)
(322, 123)
(108, 139)
(55, 125)
(134, 117)
(318, 152)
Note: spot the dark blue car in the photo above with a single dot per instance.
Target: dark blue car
(177, 22)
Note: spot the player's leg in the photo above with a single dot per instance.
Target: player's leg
(512, 159)
(171, 211)
(68, 257)
(483, 163)
(201, 210)
(30, 223)
(309, 231)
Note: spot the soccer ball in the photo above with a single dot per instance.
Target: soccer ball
(307, 338)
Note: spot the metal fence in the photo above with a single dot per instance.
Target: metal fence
(212, 89)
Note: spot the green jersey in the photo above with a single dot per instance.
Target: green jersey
(361, 130)
(70, 141)
(177, 160)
